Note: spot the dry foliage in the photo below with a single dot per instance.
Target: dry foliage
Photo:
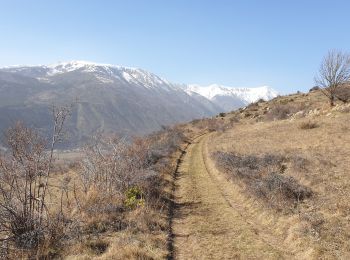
(263, 177)
(343, 93)
(27, 221)
(283, 111)
(308, 125)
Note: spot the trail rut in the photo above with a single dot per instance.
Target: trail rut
(206, 224)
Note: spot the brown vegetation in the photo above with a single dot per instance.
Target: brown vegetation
(312, 155)
(51, 211)
(28, 224)
(263, 177)
(334, 73)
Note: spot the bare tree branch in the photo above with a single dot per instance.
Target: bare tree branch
(333, 73)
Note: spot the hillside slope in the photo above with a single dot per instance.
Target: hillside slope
(270, 181)
(108, 98)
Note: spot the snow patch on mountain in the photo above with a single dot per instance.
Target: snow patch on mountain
(247, 95)
(105, 73)
(224, 97)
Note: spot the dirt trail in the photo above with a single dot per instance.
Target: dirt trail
(206, 224)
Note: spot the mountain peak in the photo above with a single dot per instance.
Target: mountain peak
(247, 95)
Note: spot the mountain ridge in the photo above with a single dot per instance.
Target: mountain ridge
(110, 98)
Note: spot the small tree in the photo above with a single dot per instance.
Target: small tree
(25, 170)
(333, 73)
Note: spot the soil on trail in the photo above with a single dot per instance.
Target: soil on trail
(206, 223)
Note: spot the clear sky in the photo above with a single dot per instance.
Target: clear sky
(236, 43)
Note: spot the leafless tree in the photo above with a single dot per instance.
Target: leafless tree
(113, 163)
(25, 170)
(333, 73)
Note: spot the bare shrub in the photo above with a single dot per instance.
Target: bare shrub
(128, 171)
(345, 110)
(308, 125)
(98, 246)
(215, 125)
(113, 164)
(27, 221)
(234, 119)
(343, 93)
(315, 88)
(282, 111)
(299, 163)
(263, 177)
(279, 112)
(287, 186)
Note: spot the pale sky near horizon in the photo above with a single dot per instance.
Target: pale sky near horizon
(235, 43)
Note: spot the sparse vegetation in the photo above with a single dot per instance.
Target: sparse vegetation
(343, 93)
(308, 125)
(27, 220)
(283, 111)
(38, 217)
(277, 169)
(263, 177)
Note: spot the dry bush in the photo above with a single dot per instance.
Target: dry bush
(97, 247)
(27, 220)
(129, 173)
(113, 164)
(286, 186)
(263, 177)
(315, 88)
(345, 110)
(343, 93)
(234, 119)
(214, 124)
(308, 125)
(283, 111)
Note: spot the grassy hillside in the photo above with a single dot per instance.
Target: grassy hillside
(288, 162)
(267, 181)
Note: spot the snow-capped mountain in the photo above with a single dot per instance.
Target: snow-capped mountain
(105, 73)
(230, 98)
(110, 98)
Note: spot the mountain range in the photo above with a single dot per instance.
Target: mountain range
(110, 98)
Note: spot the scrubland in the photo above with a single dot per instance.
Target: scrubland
(290, 158)
(267, 181)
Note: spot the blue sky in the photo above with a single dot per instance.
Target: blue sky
(236, 43)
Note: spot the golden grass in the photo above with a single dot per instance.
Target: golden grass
(216, 218)
(144, 232)
(320, 226)
(206, 225)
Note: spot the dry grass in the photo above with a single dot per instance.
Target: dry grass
(206, 224)
(308, 125)
(319, 225)
(107, 220)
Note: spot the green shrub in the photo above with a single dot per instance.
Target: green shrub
(134, 197)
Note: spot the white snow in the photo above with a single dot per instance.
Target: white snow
(108, 73)
(247, 95)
